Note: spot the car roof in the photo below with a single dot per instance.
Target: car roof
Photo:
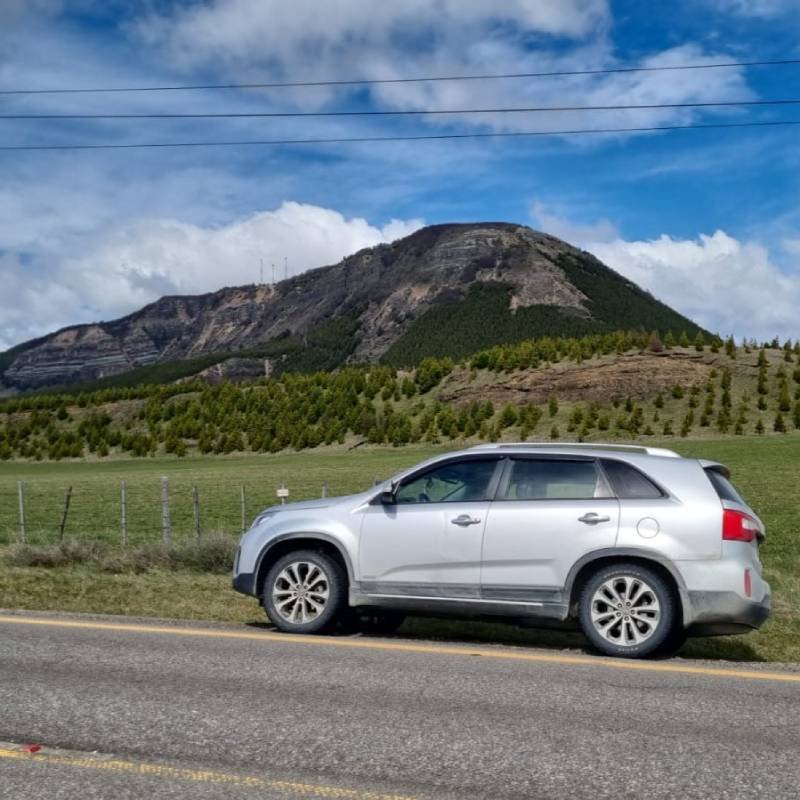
(574, 448)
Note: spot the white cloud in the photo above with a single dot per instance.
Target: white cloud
(237, 31)
(577, 234)
(138, 262)
(726, 285)
(759, 8)
(363, 39)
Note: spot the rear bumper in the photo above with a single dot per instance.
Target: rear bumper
(726, 612)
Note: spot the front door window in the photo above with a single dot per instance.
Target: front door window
(459, 482)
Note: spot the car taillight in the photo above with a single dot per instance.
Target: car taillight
(738, 526)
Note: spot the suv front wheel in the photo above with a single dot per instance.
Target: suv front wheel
(628, 610)
(305, 592)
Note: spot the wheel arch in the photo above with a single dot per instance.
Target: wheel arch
(301, 540)
(585, 567)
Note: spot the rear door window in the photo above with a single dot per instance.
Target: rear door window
(629, 483)
(551, 479)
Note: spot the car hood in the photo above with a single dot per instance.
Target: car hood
(325, 502)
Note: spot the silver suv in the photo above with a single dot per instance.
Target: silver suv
(636, 545)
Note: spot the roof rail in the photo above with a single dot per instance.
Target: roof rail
(636, 448)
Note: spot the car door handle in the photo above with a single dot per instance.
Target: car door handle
(593, 519)
(464, 520)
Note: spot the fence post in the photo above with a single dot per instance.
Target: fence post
(325, 489)
(166, 520)
(23, 536)
(67, 498)
(244, 509)
(375, 480)
(196, 511)
(124, 512)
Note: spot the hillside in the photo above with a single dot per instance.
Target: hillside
(609, 386)
(446, 290)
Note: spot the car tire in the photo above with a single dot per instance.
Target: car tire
(674, 641)
(376, 621)
(628, 611)
(305, 591)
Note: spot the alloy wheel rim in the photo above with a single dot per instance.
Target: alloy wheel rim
(625, 611)
(300, 592)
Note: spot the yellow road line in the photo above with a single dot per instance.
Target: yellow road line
(166, 772)
(408, 647)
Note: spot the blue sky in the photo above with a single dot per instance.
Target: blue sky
(709, 221)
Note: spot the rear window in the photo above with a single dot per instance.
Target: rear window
(725, 489)
(628, 483)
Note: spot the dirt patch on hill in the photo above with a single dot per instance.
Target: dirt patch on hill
(638, 375)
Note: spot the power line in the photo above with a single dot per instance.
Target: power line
(405, 112)
(380, 81)
(377, 139)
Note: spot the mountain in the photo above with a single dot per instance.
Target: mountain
(444, 290)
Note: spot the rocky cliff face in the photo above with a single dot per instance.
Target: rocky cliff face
(385, 288)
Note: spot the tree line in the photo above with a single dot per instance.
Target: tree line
(383, 405)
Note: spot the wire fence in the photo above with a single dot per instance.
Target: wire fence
(136, 510)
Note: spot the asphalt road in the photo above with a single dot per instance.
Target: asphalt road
(126, 711)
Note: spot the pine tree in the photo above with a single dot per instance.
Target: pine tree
(654, 343)
(699, 342)
(552, 406)
(784, 400)
(760, 426)
(683, 340)
(779, 425)
(508, 416)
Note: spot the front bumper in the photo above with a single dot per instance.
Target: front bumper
(726, 612)
(245, 582)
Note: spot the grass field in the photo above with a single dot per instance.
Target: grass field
(765, 469)
(95, 505)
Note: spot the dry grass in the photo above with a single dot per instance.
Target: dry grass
(213, 555)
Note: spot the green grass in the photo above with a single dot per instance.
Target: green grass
(95, 505)
(764, 468)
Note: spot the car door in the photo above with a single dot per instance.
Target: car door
(428, 543)
(548, 512)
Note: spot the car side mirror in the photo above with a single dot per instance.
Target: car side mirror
(387, 496)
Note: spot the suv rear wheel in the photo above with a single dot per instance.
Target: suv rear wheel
(305, 592)
(628, 610)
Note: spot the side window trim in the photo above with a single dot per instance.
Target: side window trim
(503, 484)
